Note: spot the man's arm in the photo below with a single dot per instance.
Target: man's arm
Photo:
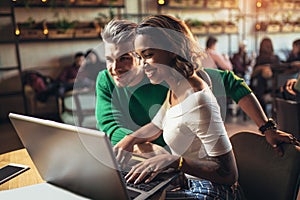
(108, 119)
(239, 91)
(250, 105)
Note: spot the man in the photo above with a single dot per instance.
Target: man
(68, 76)
(126, 100)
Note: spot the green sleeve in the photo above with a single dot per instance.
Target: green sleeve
(107, 117)
(234, 86)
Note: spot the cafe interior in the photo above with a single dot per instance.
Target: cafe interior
(40, 38)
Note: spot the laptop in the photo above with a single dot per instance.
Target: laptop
(75, 162)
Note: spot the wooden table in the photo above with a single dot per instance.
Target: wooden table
(29, 177)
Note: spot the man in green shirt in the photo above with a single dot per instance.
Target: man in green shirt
(126, 100)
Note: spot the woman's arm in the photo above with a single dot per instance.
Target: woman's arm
(221, 169)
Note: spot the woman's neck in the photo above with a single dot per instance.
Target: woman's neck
(182, 89)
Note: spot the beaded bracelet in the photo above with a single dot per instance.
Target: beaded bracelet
(180, 163)
(269, 125)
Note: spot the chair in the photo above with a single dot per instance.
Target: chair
(288, 116)
(78, 108)
(263, 174)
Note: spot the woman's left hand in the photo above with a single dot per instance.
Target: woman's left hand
(148, 169)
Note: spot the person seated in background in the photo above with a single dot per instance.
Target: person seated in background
(240, 60)
(295, 53)
(67, 77)
(215, 60)
(294, 56)
(124, 100)
(93, 65)
(262, 71)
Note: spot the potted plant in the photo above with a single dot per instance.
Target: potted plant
(230, 3)
(213, 4)
(87, 29)
(62, 28)
(297, 25)
(230, 27)
(287, 25)
(215, 27)
(273, 26)
(197, 26)
(178, 3)
(30, 29)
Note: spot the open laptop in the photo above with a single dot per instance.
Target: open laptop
(75, 162)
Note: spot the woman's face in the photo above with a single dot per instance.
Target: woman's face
(156, 60)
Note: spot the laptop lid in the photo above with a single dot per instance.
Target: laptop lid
(77, 159)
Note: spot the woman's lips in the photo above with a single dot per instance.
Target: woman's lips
(150, 73)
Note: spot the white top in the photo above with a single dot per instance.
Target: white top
(194, 128)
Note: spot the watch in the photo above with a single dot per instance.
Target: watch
(269, 125)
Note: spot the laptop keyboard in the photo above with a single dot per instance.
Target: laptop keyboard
(147, 186)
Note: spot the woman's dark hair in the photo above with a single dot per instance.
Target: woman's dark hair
(266, 47)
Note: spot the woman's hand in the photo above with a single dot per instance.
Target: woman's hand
(148, 169)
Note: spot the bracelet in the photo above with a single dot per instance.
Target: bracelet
(180, 163)
(269, 125)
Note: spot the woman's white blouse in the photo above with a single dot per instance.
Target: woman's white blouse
(194, 128)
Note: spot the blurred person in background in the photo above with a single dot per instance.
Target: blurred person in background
(241, 61)
(68, 76)
(93, 64)
(262, 72)
(215, 59)
(295, 53)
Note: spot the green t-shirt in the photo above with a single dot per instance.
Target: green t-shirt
(120, 111)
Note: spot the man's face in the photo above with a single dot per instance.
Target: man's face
(79, 61)
(121, 64)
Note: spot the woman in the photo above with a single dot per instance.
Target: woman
(189, 118)
(262, 71)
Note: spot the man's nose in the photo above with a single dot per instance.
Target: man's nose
(116, 66)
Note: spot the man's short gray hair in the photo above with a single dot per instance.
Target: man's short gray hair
(119, 31)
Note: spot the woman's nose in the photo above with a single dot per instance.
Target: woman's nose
(145, 65)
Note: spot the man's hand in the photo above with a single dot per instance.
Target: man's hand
(123, 149)
(289, 86)
(277, 137)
